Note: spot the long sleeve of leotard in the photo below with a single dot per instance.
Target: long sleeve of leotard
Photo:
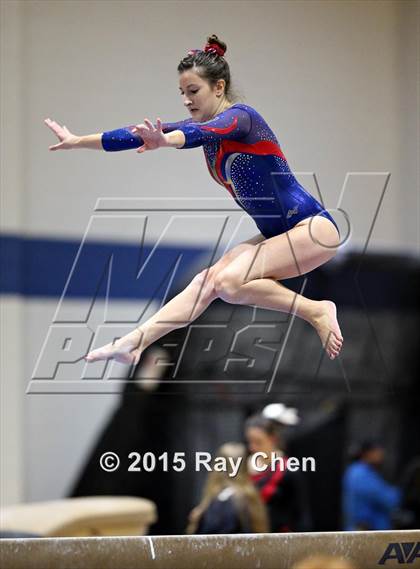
(124, 139)
(233, 124)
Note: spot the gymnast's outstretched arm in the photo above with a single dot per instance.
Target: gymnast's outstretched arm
(124, 138)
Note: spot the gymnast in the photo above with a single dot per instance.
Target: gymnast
(296, 234)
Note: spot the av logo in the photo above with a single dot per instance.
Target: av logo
(406, 552)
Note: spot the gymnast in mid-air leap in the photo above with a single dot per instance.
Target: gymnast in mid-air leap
(296, 234)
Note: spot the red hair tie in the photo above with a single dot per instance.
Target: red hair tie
(214, 47)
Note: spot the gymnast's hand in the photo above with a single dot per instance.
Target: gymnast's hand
(66, 138)
(152, 136)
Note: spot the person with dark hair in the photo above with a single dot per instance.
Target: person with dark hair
(243, 155)
(282, 490)
(368, 500)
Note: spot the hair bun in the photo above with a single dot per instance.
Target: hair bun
(215, 45)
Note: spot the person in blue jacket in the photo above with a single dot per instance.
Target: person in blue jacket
(368, 500)
(296, 234)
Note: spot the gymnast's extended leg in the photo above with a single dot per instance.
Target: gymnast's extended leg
(180, 311)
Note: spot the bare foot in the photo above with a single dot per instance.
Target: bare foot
(125, 350)
(326, 324)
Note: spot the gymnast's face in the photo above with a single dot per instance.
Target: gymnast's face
(202, 100)
(260, 441)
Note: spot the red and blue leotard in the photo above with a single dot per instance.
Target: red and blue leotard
(244, 156)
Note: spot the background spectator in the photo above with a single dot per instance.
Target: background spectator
(229, 504)
(282, 490)
(368, 499)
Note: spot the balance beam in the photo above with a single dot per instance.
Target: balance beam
(367, 550)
